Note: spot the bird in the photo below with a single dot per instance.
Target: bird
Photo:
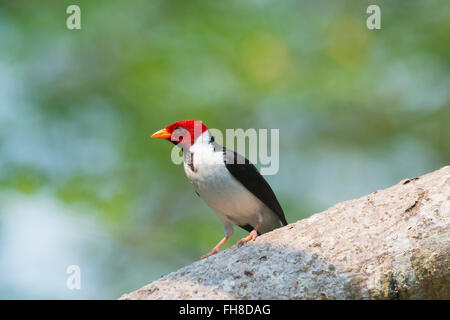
(227, 181)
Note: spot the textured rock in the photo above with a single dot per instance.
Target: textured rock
(390, 244)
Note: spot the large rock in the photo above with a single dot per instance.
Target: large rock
(390, 244)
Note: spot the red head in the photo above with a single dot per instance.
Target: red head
(184, 132)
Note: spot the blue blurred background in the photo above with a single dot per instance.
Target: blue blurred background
(82, 183)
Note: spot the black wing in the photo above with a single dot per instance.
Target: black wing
(247, 174)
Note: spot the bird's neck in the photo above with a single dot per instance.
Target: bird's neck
(204, 147)
(204, 140)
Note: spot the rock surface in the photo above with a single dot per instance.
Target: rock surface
(390, 244)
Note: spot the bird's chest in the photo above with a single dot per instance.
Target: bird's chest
(206, 171)
(214, 183)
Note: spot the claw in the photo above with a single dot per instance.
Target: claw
(250, 237)
(213, 251)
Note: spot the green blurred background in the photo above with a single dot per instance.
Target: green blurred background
(81, 182)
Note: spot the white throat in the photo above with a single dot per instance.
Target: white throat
(203, 140)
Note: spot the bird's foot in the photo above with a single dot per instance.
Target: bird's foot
(213, 251)
(216, 249)
(250, 237)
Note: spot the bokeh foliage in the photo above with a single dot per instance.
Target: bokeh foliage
(357, 109)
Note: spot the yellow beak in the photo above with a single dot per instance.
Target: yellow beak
(162, 134)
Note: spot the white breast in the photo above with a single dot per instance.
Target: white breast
(231, 201)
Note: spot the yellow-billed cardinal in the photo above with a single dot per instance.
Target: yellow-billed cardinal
(229, 184)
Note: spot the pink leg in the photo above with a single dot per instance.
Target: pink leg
(216, 249)
(252, 236)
